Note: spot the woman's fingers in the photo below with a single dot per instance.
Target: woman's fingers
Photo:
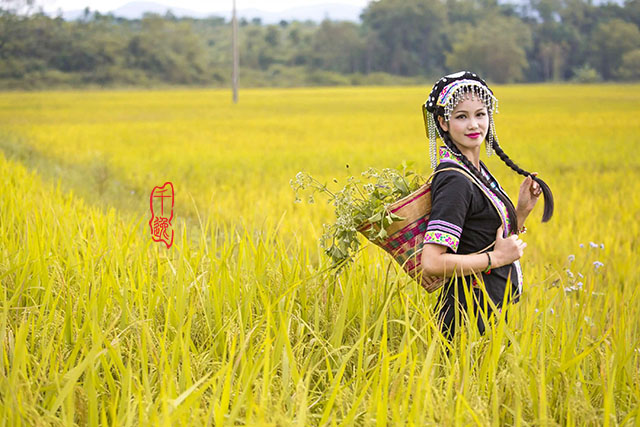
(519, 242)
(509, 249)
(521, 249)
(520, 245)
(535, 187)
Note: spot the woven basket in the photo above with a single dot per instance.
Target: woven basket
(405, 237)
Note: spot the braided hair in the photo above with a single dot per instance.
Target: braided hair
(437, 108)
(547, 213)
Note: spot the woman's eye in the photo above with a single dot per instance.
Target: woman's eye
(461, 116)
(481, 114)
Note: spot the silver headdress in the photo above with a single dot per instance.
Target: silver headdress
(446, 94)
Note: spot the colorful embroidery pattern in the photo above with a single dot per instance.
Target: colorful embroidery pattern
(442, 238)
(489, 178)
(443, 233)
(450, 89)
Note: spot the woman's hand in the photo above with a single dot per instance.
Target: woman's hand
(506, 250)
(530, 192)
(436, 261)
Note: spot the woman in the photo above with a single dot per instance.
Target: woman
(470, 211)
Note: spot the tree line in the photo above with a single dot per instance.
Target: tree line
(396, 41)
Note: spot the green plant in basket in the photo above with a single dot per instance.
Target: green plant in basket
(363, 201)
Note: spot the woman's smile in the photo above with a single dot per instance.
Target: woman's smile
(474, 135)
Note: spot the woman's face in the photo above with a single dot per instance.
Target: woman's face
(468, 124)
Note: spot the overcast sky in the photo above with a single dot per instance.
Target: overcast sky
(195, 5)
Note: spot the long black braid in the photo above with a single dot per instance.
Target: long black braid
(546, 191)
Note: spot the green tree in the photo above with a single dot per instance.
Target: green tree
(466, 11)
(553, 50)
(630, 67)
(552, 56)
(408, 35)
(495, 49)
(338, 46)
(632, 11)
(169, 50)
(548, 10)
(255, 51)
(272, 36)
(610, 41)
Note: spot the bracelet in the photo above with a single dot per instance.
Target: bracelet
(488, 269)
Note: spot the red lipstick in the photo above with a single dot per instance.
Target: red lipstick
(474, 135)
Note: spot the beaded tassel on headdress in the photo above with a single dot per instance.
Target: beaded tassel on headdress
(432, 141)
(491, 137)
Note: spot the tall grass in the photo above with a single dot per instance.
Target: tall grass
(240, 323)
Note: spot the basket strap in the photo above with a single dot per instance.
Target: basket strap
(482, 189)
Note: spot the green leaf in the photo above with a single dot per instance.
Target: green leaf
(376, 217)
(382, 234)
(396, 217)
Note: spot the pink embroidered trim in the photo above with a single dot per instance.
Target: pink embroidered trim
(441, 238)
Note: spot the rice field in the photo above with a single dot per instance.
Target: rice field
(240, 323)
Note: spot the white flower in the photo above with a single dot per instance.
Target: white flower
(581, 245)
(569, 274)
(576, 287)
(572, 258)
(601, 245)
(597, 265)
(593, 245)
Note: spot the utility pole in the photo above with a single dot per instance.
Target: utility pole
(234, 43)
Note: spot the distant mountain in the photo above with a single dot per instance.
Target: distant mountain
(137, 9)
(317, 13)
